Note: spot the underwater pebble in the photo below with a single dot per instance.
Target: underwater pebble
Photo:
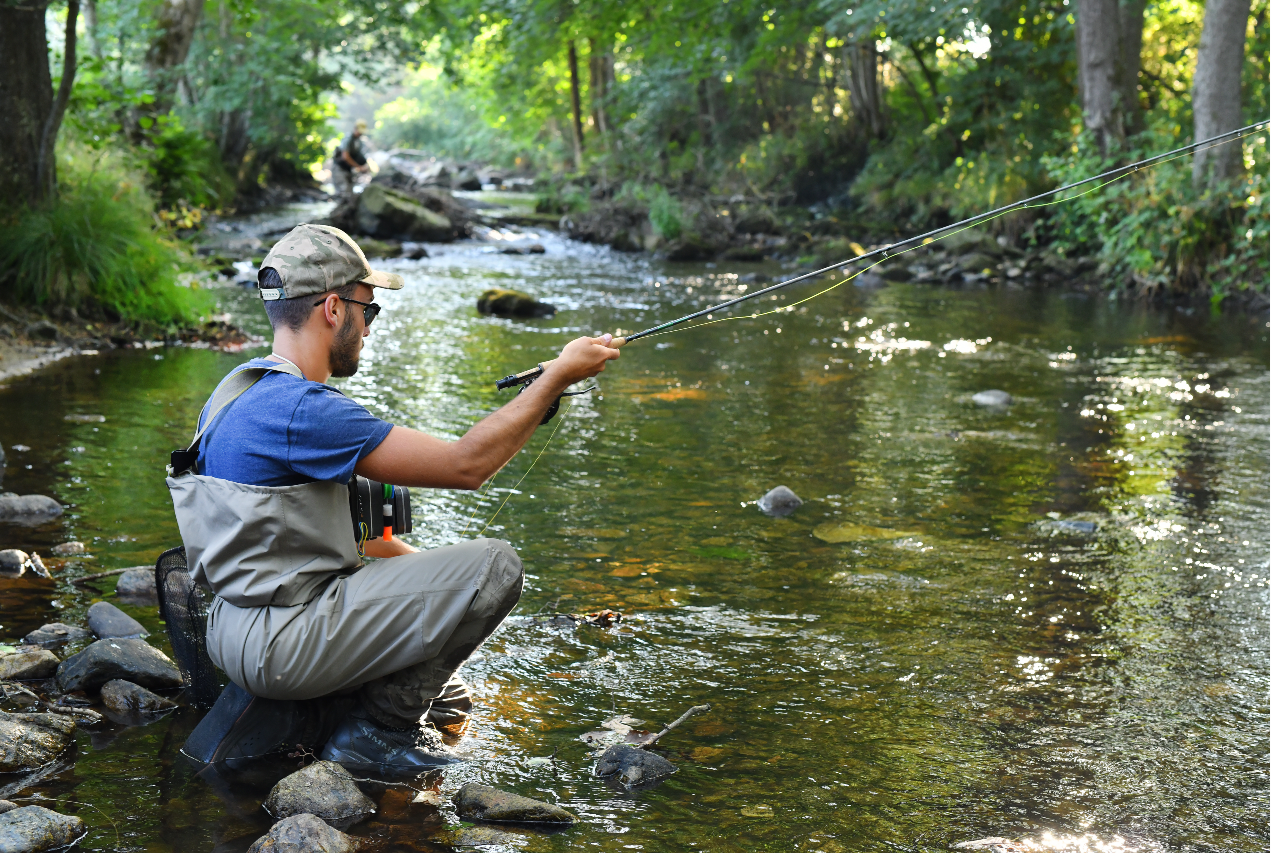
(68, 549)
(108, 622)
(779, 502)
(28, 509)
(992, 398)
(480, 802)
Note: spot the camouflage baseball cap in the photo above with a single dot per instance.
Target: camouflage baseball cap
(318, 258)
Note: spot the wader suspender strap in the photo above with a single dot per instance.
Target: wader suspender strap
(181, 461)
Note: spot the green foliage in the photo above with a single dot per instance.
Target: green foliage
(95, 249)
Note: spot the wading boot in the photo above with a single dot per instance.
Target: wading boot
(362, 745)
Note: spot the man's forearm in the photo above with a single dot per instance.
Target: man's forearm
(493, 442)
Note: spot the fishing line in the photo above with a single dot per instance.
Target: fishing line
(521, 480)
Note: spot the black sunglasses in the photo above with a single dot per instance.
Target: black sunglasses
(371, 309)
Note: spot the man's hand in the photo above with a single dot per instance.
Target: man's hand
(582, 358)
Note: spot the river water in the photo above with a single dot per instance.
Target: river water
(964, 667)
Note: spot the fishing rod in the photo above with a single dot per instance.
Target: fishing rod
(524, 378)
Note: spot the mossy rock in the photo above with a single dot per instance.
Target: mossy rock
(384, 212)
(378, 248)
(499, 302)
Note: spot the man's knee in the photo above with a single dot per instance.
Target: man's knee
(505, 579)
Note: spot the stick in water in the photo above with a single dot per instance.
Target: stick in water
(696, 709)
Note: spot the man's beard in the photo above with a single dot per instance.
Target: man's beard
(344, 354)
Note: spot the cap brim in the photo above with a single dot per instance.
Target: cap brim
(389, 280)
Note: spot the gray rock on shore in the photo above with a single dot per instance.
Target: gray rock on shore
(28, 741)
(127, 699)
(109, 622)
(55, 634)
(28, 509)
(633, 767)
(304, 833)
(28, 665)
(323, 789)
(68, 549)
(30, 829)
(993, 398)
(107, 660)
(480, 802)
(138, 585)
(779, 502)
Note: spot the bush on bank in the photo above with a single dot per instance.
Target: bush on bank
(98, 249)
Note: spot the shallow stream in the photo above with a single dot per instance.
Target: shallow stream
(964, 667)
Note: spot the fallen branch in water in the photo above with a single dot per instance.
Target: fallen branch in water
(99, 576)
(696, 709)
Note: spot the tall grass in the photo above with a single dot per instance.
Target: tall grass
(97, 249)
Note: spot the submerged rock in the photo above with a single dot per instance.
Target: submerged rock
(385, 212)
(28, 741)
(6, 806)
(779, 502)
(633, 767)
(68, 549)
(993, 398)
(28, 509)
(499, 302)
(323, 789)
(33, 828)
(138, 584)
(106, 660)
(304, 833)
(480, 802)
(126, 698)
(55, 633)
(13, 561)
(30, 665)
(1076, 527)
(836, 532)
(109, 622)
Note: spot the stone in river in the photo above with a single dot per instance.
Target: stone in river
(997, 399)
(28, 741)
(55, 633)
(304, 833)
(779, 502)
(28, 509)
(68, 549)
(385, 212)
(105, 660)
(138, 585)
(835, 532)
(30, 829)
(480, 802)
(323, 789)
(499, 302)
(13, 561)
(1079, 528)
(30, 665)
(126, 698)
(110, 622)
(6, 806)
(633, 767)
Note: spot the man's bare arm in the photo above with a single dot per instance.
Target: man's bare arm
(407, 457)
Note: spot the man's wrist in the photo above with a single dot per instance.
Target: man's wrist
(554, 374)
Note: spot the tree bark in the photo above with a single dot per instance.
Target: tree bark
(1215, 90)
(864, 87)
(1097, 55)
(601, 68)
(46, 172)
(575, 96)
(1130, 63)
(26, 100)
(176, 22)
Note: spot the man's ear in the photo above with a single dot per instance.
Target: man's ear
(330, 309)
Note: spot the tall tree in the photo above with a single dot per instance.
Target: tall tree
(1132, 18)
(575, 96)
(863, 65)
(33, 113)
(1097, 56)
(1215, 92)
(176, 22)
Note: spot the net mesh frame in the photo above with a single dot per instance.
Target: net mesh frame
(185, 615)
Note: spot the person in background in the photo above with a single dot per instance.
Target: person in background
(349, 159)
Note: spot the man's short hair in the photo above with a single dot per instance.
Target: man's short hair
(292, 314)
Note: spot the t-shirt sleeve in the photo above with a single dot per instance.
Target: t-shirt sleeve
(330, 433)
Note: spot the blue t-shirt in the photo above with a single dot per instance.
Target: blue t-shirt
(286, 431)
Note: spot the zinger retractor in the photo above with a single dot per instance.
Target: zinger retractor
(525, 378)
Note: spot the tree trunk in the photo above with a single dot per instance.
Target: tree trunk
(601, 65)
(864, 88)
(26, 101)
(1130, 64)
(176, 22)
(1097, 55)
(575, 96)
(1215, 91)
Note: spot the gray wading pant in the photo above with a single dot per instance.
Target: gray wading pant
(396, 631)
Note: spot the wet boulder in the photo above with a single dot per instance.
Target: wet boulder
(480, 802)
(633, 767)
(28, 741)
(304, 833)
(385, 212)
(13, 562)
(128, 699)
(7, 806)
(106, 660)
(466, 179)
(1074, 527)
(28, 509)
(499, 302)
(28, 665)
(993, 399)
(323, 789)
(138, 585)
(55, 634)
(779, 502)
(33, 828)
(69, 549)
(109, 622)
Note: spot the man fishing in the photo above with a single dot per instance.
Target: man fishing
(264, 515)
(349, 159)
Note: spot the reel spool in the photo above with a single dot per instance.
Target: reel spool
(382, 509)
